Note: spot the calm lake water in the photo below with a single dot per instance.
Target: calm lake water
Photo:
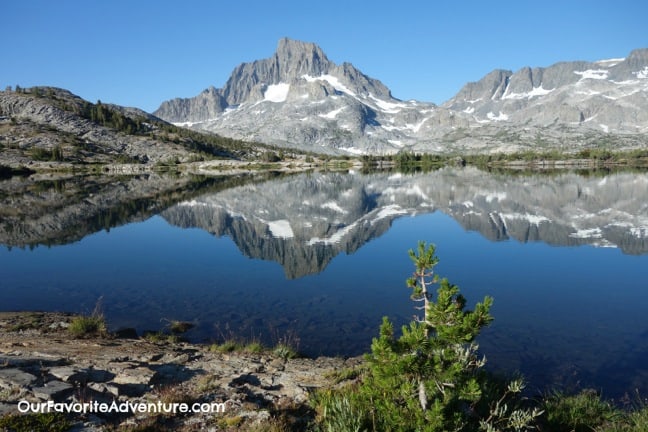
(319, 258)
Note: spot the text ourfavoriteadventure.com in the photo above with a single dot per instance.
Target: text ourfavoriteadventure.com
(120, 407)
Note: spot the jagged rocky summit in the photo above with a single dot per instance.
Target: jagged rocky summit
(299, 98)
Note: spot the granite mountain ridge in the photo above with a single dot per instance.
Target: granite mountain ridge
(299, 98)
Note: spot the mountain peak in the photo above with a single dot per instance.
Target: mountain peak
(290, 48)
(296, 58)
(291, 61)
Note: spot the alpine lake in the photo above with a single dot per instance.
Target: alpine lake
(317, 259)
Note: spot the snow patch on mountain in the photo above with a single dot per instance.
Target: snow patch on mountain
(388, 107)
(610, 62)
(500, 117)
(389, 211)
(333, 80)
(335, 238)
(530, 218)
(597, 74)
(353, 150)
(416, 127)
(537, 91)
(639, 232)
(642, 74)
(332, 114)
(277, 92)
(497, 196)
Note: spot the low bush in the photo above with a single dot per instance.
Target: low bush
(583, 412)
(89, 325)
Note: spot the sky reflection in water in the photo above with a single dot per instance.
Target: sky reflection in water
(570, 316)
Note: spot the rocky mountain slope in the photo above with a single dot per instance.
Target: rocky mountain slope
(299, 98)
(607, 95)
(46, 125)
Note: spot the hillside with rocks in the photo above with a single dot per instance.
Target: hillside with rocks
(608, 95)
(44, 127)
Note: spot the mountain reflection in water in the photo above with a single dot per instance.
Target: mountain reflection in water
(571, 316)
(305, 221)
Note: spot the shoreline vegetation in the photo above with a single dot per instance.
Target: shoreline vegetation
(538, 160)
(585, 160)
(331, 396)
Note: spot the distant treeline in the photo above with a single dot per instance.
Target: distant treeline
(408, 161)
(207, 144)
(590, 154)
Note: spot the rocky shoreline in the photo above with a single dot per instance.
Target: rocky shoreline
(41, 363)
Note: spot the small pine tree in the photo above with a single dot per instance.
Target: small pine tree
(431, 378)
(428, 374)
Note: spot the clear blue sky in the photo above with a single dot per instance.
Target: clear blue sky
(140, 53)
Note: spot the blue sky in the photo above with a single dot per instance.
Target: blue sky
(140, 53)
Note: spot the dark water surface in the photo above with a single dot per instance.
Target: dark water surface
(320, 258)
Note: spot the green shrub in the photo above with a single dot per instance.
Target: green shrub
(284, 351)
(161, 337)
(87, 325)
(47, 422)
(339, 412)
(254, 347)
(583, 412)
(40, 154)
(638, 420)
(345, 374)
